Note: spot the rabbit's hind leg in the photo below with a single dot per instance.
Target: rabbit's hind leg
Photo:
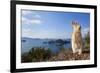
(74, 50)
(79, 51)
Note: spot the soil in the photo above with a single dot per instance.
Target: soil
(68, 55)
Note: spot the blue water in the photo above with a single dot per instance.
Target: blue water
(28, 43)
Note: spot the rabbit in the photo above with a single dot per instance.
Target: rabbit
(76, 41)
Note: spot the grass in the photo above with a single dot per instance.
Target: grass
(39, 54)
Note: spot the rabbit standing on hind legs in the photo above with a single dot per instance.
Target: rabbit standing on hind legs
(77, 43)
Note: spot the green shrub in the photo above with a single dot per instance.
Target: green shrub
(37, 54)
(87, 40)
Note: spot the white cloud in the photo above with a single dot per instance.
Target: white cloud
(26, 32)
(35, 21)
(44, 34)
(30, 17)
(30, 21)
(25, 12)
(85, 31)
(30, 13)
(37, 16)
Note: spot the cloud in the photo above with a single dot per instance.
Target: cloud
(85, 31)
(27, 32)
(30, 17)
(44, 34)
(37, 16)
(30, 21)
(25, 12)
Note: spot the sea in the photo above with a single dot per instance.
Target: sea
(28, 43)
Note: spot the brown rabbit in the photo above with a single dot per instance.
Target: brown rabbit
(77, 43)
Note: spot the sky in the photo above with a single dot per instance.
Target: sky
(51, 24)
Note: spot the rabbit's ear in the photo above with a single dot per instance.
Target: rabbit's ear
(77, 23)
(73, 22)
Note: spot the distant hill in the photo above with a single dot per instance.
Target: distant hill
(25, 39)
